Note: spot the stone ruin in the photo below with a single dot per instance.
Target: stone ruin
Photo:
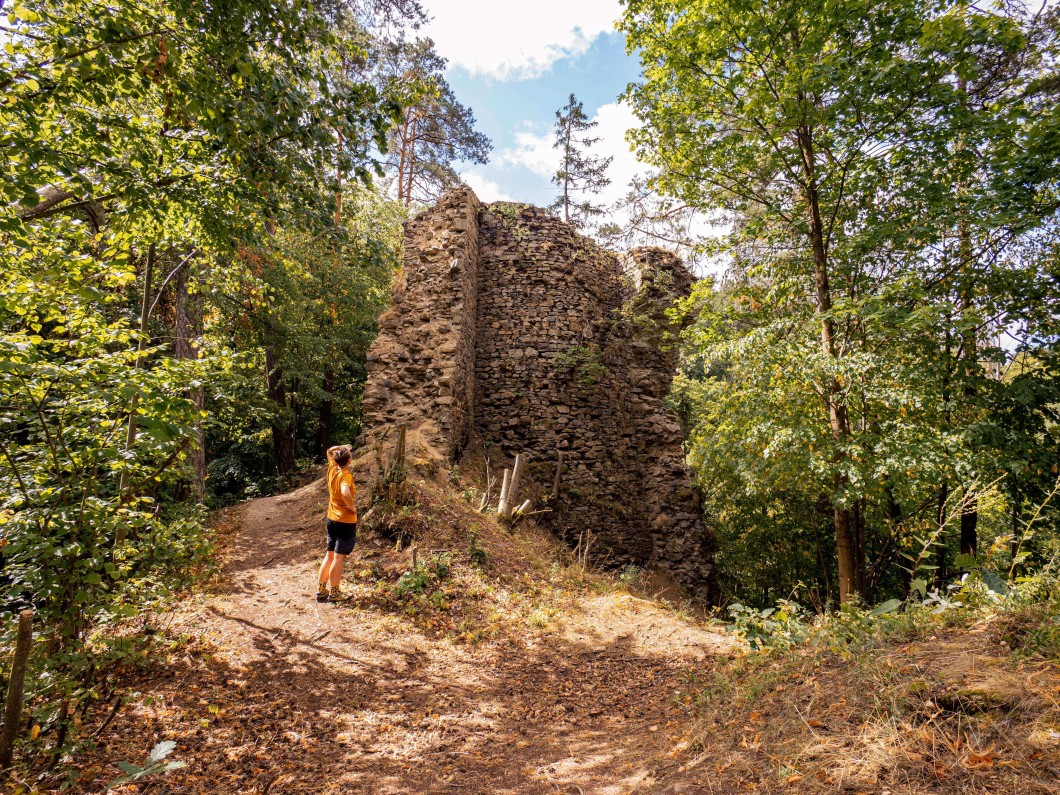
(508, 325)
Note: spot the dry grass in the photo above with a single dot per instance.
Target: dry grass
(521, 581)
(952, 711)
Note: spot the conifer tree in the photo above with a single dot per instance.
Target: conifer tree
(436, 131)
(579, 172)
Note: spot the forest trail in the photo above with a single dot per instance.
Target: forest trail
(280, 694)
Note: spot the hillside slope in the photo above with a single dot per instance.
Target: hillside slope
(502, 665)
(517, 675)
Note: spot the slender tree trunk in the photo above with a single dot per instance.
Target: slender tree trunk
(846, 548)
(1014, 529)
(16, 682)
(402, 146)
(828, 596)
(283, 432)
(410, 161)
(188, 328)
(566, 171)
(326, 415)
(969, 523)
(940, 541)
(894, 517)
(338, 183)
(969, 343)
(141, 343)
(861, 548)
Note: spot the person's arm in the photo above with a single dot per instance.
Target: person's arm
(332, 450)
(348, 497)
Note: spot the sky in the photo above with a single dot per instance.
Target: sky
(515, 64)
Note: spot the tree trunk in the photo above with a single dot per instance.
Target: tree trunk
(408, 150)
(860, 548)
(894, 517)
(969, 342)
(940, 541)
(846, 548)
(141, 343)
(326, 414)
(187, 329)
(401, 161)
(16, 687)
(283, 432)
(338, 183)
(969, 523)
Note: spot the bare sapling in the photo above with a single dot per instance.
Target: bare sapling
(508, 497)
(581, 552)
(390, 477)
(505, 483)
(490, 483)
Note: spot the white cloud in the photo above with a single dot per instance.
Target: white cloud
(534, 150)
(486, 189)
(615, 119)
(516, 40)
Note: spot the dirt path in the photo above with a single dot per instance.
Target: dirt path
(300, 697)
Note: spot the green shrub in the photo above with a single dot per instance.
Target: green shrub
(585, 363)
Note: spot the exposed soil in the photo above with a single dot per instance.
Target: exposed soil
(516, 670)
(275, 693)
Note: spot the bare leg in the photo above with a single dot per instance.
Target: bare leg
(337, 562)
(325, 566)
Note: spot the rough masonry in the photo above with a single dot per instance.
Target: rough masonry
(507, 324)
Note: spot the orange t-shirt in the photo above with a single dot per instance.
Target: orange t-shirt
(337, 510)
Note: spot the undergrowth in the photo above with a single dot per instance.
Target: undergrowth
(954, 693)
(471, 580)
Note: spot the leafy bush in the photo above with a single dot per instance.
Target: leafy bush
(475, 553)
(585, 364)
(777, 627)
(415, 581)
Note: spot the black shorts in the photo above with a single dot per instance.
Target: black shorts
(341, 536)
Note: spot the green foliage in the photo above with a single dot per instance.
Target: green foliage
(426, 579)
(412, 582)
(773, 627)
(160, 155)
(1026, 608)
(306, 322)
(848, 371)
(629, 575)
(584, 363)
(476, 554)
(441, 566)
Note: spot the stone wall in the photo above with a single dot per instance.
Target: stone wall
(420, 365)
(569, 352)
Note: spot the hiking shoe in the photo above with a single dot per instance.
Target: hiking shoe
(336, 595)
(322, 593)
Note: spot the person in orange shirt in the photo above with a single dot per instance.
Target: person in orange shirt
(341, 523)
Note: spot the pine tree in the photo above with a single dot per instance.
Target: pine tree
(436, 131)
(579, 172)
